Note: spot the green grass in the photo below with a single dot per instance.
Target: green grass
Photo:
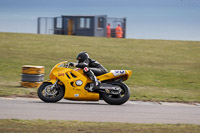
(163, 70)
(43, 126)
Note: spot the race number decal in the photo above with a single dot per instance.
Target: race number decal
(118, 72)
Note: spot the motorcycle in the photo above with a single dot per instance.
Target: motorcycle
(73, 84)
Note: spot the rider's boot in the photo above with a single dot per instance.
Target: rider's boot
(96, 82)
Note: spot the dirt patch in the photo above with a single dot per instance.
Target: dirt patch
(30, 95)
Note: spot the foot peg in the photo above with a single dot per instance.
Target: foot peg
(94, 86)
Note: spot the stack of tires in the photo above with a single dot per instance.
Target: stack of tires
(32, 76)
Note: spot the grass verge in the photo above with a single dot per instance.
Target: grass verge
(44, 126)
(163, 70)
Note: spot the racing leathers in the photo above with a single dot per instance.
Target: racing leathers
(92, 68)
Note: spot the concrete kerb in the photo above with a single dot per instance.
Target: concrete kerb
(129, 102)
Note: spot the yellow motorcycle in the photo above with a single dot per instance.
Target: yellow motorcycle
(73, 84)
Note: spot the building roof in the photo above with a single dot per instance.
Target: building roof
(81, 15)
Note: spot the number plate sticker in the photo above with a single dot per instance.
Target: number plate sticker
(118, 72)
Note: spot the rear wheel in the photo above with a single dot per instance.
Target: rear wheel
(48, 94)
(119, 98)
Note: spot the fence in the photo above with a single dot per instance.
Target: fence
(113, 24)
(45, 25)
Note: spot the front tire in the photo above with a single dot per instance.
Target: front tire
(117, 99)
(46, 94)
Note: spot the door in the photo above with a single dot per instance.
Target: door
(70, 26)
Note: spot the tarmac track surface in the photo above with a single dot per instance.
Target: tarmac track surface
(131, 112)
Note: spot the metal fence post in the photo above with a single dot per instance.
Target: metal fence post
(38, 25)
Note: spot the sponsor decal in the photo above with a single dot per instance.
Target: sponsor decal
(86, 69)
(77, 69)
(61, 74)
(76, 95)
(118, 72)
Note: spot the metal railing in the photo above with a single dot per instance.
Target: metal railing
(45, 25)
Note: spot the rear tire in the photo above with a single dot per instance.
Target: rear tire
(45, 96)
(116, 99)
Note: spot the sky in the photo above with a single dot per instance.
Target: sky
(146, 19)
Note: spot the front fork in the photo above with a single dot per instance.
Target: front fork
(54, 84)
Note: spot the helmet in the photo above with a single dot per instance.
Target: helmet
(82, 56)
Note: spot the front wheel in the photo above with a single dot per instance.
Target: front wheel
(48, 94)
(117, 99)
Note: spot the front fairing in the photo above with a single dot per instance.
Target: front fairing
(59, 65)
(69, 78)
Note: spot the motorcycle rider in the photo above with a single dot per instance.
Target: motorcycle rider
(90, 67)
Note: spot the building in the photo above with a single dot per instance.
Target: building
(80, 25)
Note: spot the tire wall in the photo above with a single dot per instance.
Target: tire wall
(32, 76)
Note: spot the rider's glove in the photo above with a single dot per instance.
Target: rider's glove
(71, 64)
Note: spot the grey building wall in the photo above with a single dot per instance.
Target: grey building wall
(77, 30)
(100, 32)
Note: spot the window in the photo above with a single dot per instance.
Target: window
(87, 25)
(84, 23)
(100, 22)
(58, 22)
